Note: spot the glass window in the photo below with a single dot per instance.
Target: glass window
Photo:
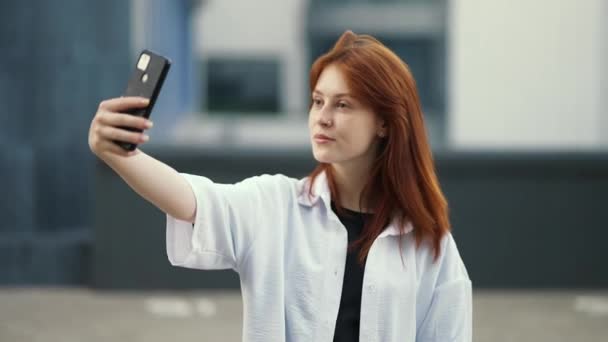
(242, 86)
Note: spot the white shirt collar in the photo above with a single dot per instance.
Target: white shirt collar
(321, 191)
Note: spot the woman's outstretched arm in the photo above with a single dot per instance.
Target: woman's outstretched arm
(152, 179)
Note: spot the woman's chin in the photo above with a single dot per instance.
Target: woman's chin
(323, 157)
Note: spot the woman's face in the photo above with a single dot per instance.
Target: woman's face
(352, 127)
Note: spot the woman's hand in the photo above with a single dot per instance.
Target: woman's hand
(106, 124)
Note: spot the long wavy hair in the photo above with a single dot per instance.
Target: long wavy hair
(402, 181)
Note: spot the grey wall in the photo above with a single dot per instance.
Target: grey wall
(58, 60)
(528, 220)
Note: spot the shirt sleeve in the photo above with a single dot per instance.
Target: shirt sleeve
(227, 218)
(450, 313)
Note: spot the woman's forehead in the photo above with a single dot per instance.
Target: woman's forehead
(332, 83)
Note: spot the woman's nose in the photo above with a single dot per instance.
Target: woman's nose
(324, 118)
(325, 122)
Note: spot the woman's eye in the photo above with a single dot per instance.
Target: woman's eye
(316, 102)
(342, 105)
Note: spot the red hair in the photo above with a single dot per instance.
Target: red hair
(402, 180)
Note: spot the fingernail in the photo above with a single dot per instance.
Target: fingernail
(145, 100)
(149, 124)
(145, 137)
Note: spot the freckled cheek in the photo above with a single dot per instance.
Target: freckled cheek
(357, 134)
(349, 130)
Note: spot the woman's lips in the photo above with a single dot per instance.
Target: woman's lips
(322, 139)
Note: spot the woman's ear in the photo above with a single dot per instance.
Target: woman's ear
(382, 128)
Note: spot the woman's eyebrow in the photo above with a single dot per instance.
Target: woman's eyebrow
(335, 96)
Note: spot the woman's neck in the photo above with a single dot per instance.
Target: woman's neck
(350, 181)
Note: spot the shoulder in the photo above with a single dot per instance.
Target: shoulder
(452, 266)
(267, 182)
(275, 182)
(276, 187)
(448, 267)
(255, 188)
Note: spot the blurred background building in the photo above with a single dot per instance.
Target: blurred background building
(514, 95)
(498, 76)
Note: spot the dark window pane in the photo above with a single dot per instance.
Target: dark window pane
(242, 85)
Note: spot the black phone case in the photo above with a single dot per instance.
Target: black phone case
(145, 83)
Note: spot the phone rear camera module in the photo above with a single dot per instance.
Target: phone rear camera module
(143, 62)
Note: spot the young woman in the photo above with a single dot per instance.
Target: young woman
(360, 250)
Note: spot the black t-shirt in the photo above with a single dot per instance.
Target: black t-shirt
(347, 324)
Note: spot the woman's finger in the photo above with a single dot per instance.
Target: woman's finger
(114, 133)
(120, 104)
(126, 120)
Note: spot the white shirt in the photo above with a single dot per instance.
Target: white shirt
(290, 251)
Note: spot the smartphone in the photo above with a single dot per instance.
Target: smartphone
(146, 81)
